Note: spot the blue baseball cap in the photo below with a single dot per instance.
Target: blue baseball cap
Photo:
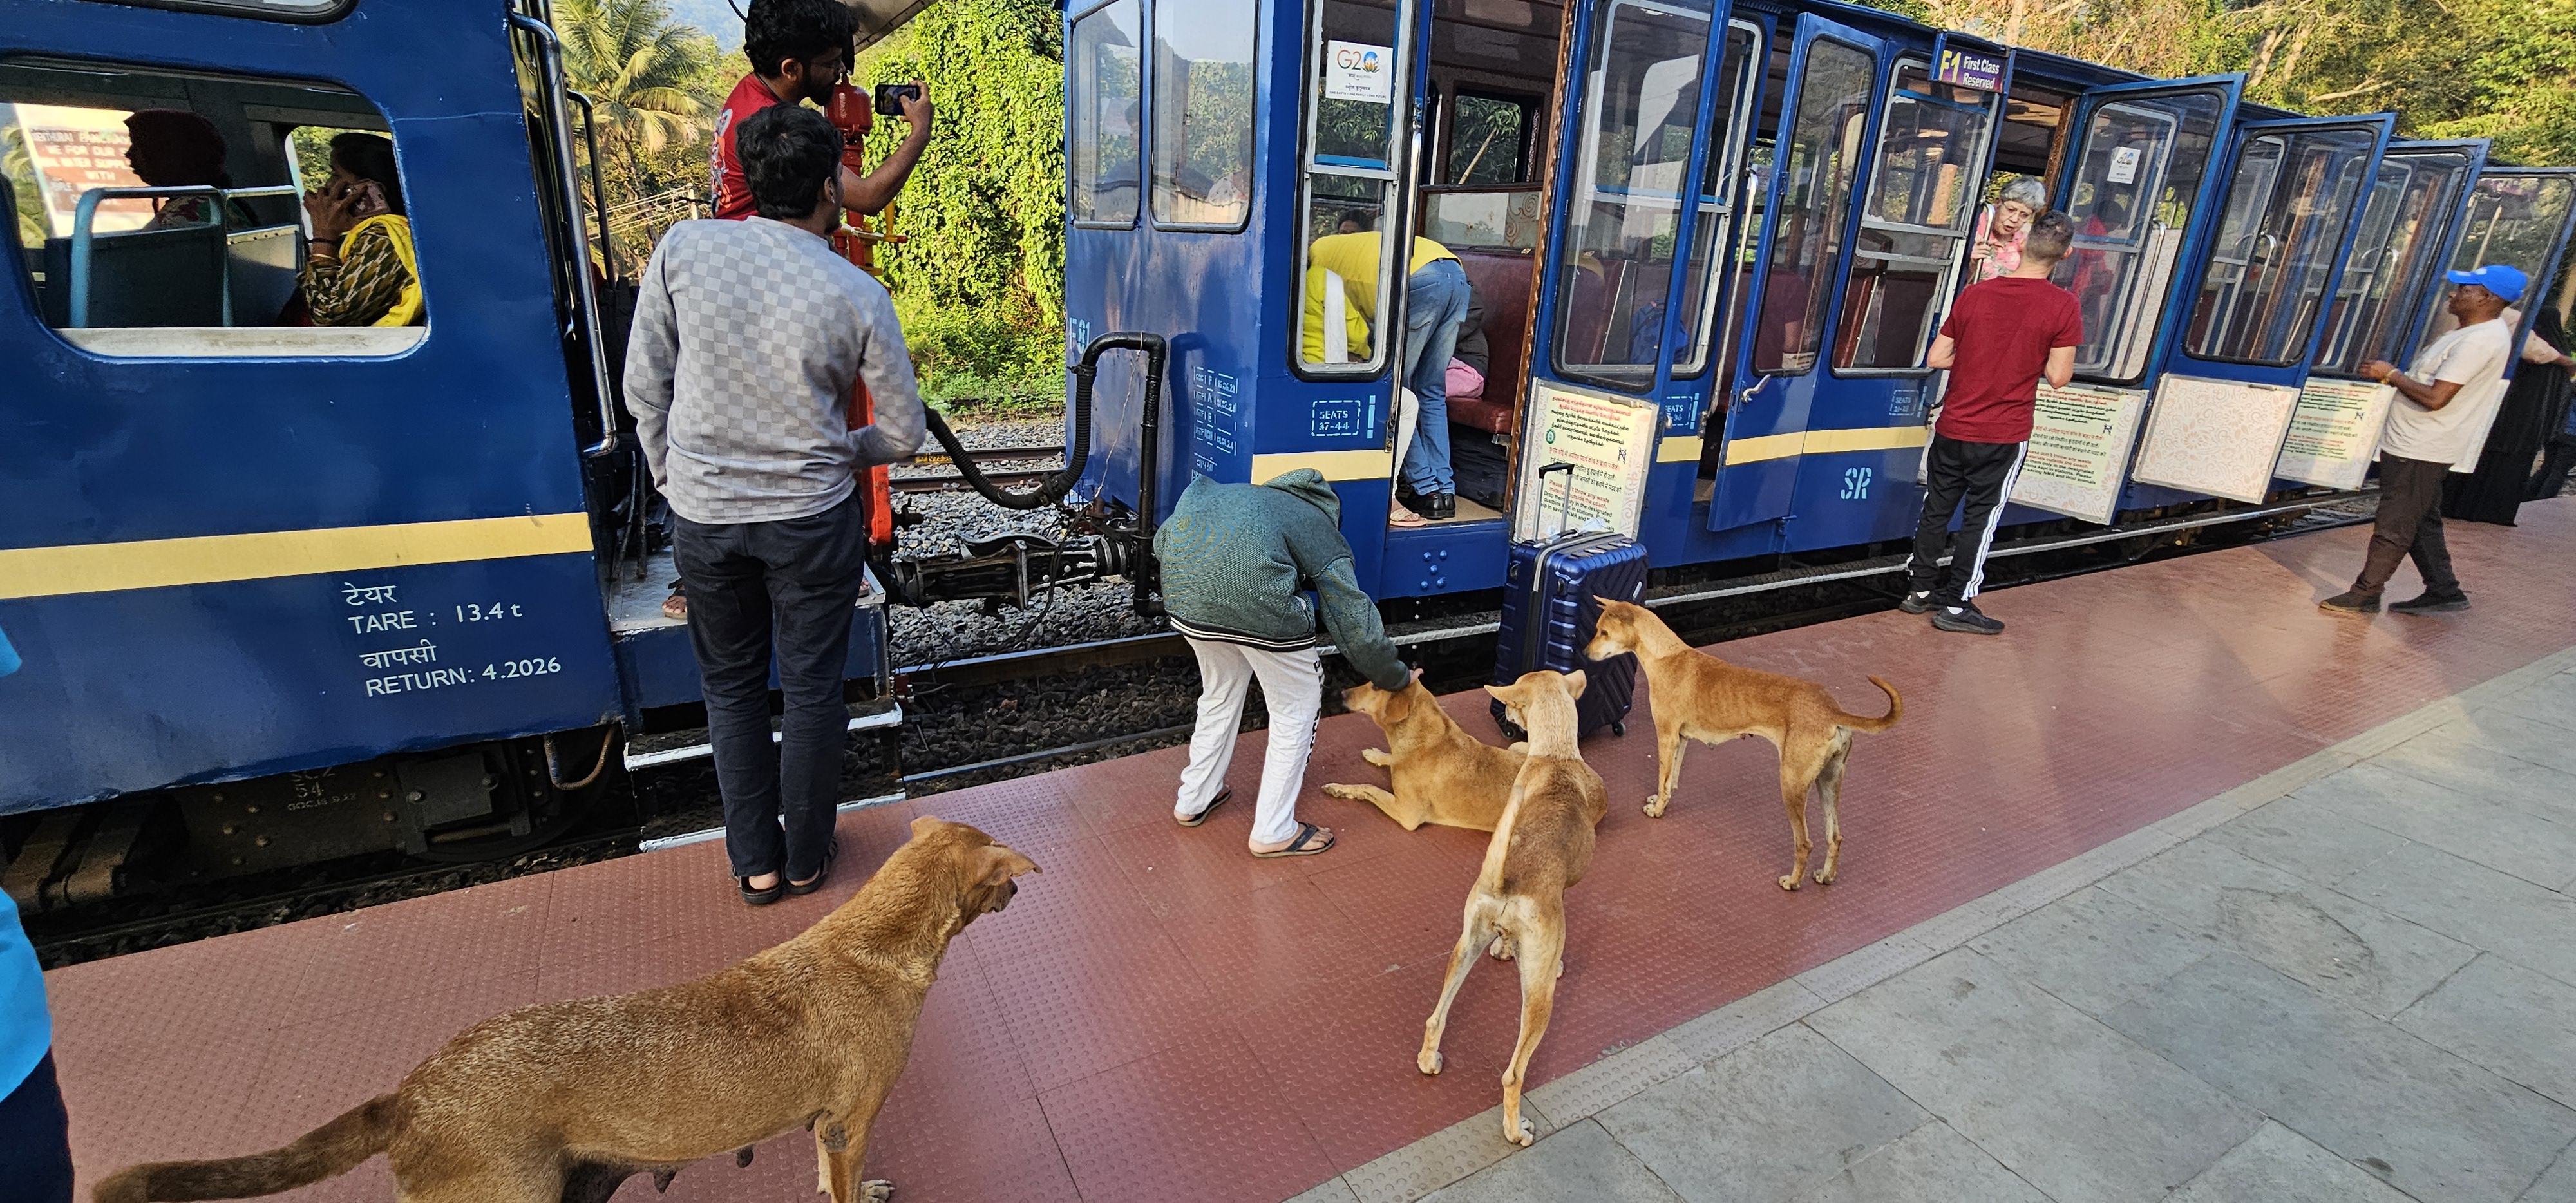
(2503, 280)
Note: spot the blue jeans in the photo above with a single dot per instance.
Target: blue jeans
(1435, 303)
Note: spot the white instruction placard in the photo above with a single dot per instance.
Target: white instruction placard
(2124, 165)
(1611, 444)
(2334, 432)
(2219, 437)
(1359, 71)
(2079, 450)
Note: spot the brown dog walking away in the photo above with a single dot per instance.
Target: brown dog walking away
(1541, 845)
(1698, 696)
(1440, 773)
(563, 1101)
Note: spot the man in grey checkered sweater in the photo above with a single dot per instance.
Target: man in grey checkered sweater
(747, 339)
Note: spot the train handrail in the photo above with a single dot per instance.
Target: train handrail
(598, 191)
(85, 215)
(568, 173)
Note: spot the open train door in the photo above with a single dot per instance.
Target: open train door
(2518, 216)
(2231, 372)
(2389, 289)
(1829, 123)
(1655, 116)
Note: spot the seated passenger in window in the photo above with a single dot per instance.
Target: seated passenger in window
(173, 148)
(361, 271)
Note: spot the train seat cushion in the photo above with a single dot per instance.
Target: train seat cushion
(1503, 283)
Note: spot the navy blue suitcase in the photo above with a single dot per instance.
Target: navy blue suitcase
(1550, 606)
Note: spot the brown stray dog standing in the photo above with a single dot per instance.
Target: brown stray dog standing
(1541, 845)
(563, 1101)
(1699, 696)
(1440, 773)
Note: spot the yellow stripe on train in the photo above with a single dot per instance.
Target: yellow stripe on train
(208, 559)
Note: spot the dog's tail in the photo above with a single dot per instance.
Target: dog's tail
(1895, 711)
(333, 1149)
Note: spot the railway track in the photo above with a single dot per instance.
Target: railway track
(976, 719)
(954, 482)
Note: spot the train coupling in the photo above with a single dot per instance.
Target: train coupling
(1012, 567)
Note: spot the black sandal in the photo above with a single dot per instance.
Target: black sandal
(1297, 847)
(1223, 792)
(831, 852)
(752, 897)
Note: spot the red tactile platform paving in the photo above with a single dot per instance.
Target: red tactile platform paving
(1161, 1017)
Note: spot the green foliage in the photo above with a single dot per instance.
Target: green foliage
(23, 187)
(656, 85)
(980, 281)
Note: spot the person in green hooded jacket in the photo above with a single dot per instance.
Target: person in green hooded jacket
(1236, 562)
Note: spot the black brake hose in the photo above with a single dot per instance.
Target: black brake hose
(1078, 452)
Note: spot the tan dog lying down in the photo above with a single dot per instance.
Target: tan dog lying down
(563, 1101)
(1440, 773)
(1698, 696)
(1541, 845)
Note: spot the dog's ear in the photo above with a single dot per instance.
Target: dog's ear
(990, 868)
(1502, 693)
(1574, 684)
(924, 826)
(1002, 863)
(1397, 706)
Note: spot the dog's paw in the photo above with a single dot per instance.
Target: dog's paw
(1377, 756)
(1429, 1061)
(1824, 877)
(1789, 882)
(875, 1191)
(1656, 805)
(1341, 791)
(1517, 1130)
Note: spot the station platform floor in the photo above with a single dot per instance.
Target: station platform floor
(1158, 1016)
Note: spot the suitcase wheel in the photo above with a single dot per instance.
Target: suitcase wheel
(1619, 729)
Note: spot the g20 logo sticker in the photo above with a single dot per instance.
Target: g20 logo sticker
(1856, 484)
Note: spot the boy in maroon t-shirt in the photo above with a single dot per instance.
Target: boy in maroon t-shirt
(2000, 338)
(800, 50)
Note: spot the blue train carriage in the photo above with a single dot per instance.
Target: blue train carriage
(1747, 382)
(350, 588)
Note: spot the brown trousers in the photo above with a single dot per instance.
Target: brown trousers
(2410, 523)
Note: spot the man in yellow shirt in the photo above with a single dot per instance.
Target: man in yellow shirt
(1435, 303)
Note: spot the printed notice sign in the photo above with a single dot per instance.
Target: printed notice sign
(1359, 71)
(2124, 165)
(1968, 69)
(2218, 437)
(2334, 432)
(1611, 444)
(2079, 451)
(75, 150)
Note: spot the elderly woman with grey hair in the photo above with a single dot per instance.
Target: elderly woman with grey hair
(2003, 226)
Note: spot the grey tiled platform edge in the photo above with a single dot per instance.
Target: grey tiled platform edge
(2350, 981)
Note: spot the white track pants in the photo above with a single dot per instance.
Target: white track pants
(1292, 685)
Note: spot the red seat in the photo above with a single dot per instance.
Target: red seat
(1502, 281)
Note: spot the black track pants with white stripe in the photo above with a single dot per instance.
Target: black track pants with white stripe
(1981, 475)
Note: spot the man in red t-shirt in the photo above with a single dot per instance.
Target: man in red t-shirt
(800, 50)
(2000, 338)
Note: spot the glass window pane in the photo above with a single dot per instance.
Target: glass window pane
(2287, 209)
(1642, 93)
(1489, 140)
(1337, 315)
(2393, 259)
(1203, 112)
(1106, 103)
(2135, 184)
(2512, 218)
(1719, 189)
(1495, 220)
(1356, 84)
(1931, 145)
(1817, 173)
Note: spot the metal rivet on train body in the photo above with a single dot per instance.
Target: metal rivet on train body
(261, 841)
(414, 796)
(230, 829)
(1426, 557)
(253, 808)
(1444, 553)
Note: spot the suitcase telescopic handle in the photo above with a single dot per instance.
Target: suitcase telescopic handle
(1565, 507)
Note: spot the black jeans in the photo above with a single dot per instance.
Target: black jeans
(36, 1140)
(2410, 523)
(798, 577)
(2554, 463)
(1982, 475)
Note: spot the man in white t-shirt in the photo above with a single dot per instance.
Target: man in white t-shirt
(2440, 416)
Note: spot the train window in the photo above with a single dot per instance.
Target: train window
(1820, 165)
(165, 216)
(1487, 199)
(2513, 218)
(1718, 192)
(2287, 210)
(2136, 180)
(1489, 139)
(1203, 93)
(2393, 258)
(1642, 104)
(1914, 224)
(302, 12)
(1105, 111)
(1357, 89)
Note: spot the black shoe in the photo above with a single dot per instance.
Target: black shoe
(2432, 603)
(1965, 618)
(752, 897)
(2352, 602)
(1442, 505)
(1916, 603)
(831, 852)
